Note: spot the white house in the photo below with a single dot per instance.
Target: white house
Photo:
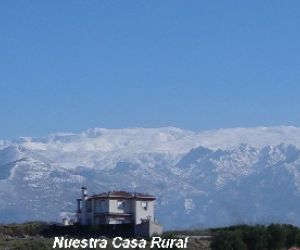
(118, 207)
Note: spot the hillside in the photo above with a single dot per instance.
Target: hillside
(201, 179)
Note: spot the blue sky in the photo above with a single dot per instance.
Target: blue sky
(72, 65)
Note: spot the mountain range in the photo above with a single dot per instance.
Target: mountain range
(201, 179)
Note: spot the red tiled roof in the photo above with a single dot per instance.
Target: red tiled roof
(121, 195)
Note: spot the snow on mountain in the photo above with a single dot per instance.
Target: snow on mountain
(209, 178)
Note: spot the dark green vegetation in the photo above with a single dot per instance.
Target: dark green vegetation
(39, 236)
(274, 236)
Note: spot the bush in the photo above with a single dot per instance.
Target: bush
(274, 236)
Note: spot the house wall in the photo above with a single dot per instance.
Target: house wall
(141, 214)
(125, 208)
(89, 219)
(88, 206)
(100, 221)
(148, 229)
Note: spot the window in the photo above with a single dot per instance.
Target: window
(144, 205)
(121, 204)
(100, 206)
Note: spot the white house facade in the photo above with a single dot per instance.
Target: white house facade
(116, 207)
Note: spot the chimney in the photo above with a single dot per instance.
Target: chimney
(83, 192)
(78, 205)
(83, 206)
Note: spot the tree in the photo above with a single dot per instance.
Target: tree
(277, 236)
(256, 238)
(228, 240)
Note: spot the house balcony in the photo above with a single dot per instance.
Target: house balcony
(113, 218)
(113, 214)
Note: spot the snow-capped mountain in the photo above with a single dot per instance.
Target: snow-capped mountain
(201, 179)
